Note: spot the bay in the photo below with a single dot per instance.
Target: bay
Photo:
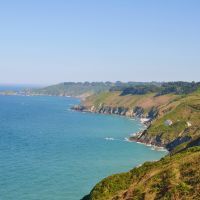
(49, 152)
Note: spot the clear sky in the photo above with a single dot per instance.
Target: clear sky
(51, 41)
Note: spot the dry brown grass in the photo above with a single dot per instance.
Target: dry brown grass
(113, 99)
(151, 101)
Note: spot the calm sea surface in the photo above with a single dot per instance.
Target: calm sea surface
(48, 152)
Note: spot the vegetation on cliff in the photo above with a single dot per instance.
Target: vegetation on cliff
(175, 124)
(173, 177)
(184, 114)
(181, 110)
(129, 102)
(173, 110)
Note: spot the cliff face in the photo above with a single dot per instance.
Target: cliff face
(173, 177)
(177, 123)
(173, 120)
(124, 111)
(174, 124)
(130, 106)
(158, 140)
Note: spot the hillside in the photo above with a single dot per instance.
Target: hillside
(184, 116)
(174, 123)
(85, 89)
(128, 103)
(73, 89)
(80, 89)
(182, 111)
(173, 177)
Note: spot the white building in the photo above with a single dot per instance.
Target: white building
(168, 122)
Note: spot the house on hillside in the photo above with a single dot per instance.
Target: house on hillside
(168, 122)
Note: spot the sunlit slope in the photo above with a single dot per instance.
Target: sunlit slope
(183, 111)
(115, 99)
(184, 114)
(173, 177)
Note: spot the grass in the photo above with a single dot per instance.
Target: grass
(176, 176)
(173, 177)
(180, 111)
(114, 99)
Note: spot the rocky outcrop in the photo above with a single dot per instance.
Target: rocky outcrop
(157, 140)
(134, 112)
(111, 110)
(79, 108)
(171, 145)
(137, 111)
(143, 137)
(153, 113)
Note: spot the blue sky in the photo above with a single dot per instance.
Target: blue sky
(46, 41)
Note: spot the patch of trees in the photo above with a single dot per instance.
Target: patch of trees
(140, 89)
(178, 87)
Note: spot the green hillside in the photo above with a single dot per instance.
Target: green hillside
(184, 114)
(81, 89)
(73, 89)
(174, 124)
(181, 110)
(173, 177)
(115, 99)
(124, 88)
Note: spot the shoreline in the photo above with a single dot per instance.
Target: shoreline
(153, 146)
(135, 138)
(132, 136)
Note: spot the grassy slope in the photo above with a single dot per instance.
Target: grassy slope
(180, 111)
(113, 99)
(177, 176)
(173, 177)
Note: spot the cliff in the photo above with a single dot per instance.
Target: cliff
(130, 105)
(174, 124)
(182, 112)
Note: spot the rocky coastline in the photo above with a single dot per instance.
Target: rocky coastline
(123, 111)
(137, 112)
(156, 142)
(145, 118)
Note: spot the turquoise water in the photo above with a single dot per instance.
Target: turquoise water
(48, 152)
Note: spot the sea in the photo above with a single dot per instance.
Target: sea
(50, 152)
